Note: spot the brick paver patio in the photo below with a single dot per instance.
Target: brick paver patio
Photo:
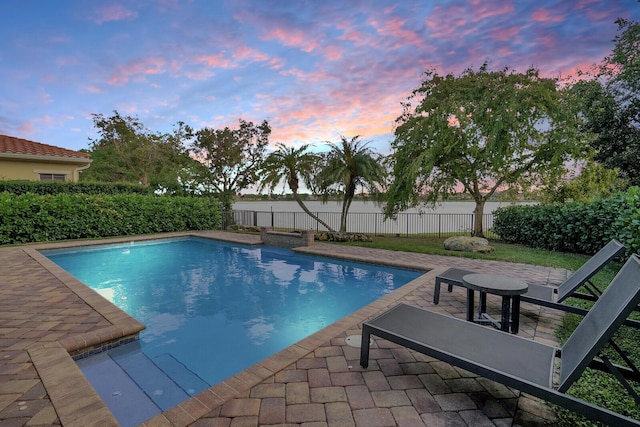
(46, 315)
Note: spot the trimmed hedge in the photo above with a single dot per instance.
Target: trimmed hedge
(52, 187)
(35, 218)
(573, 227)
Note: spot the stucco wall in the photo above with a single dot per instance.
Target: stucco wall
(10, 170)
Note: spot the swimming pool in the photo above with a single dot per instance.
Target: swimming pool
(212, 308)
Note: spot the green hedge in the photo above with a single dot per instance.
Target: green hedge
(49, 187)
(573, 227)
(35, 218)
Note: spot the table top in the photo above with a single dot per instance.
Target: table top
(495, 284)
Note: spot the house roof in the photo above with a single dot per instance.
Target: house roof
(18, 146)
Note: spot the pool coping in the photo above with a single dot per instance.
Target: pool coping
(69, 390)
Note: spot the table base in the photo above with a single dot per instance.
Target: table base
(510, 313)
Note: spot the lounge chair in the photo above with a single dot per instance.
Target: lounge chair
(518, 362)
(550, 296)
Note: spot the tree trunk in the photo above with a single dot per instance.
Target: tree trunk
(349, 193)
(478, 213)
(308, 212)
(343, 215)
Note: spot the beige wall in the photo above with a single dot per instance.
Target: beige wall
(10, 170)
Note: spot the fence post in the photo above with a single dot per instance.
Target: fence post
(407, 216)
(473, 216)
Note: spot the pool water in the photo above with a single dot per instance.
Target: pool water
(212, 309)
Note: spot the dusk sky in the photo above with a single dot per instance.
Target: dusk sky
(314, 69)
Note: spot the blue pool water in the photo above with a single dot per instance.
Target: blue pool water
(212, 309)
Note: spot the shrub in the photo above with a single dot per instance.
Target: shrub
(573, 227)
(48, 187)
(41, 218)
(627, 224)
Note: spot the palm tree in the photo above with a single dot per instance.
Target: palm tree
(288, 164)
(351, 164)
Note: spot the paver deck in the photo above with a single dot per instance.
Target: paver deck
(46, 315)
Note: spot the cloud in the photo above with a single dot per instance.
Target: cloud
(93, 89)
(138, 68)
(505, 34)
(292, 37)
(395, 28)
(545, 15)
(112, 12)
(214, 61)
(483, 10)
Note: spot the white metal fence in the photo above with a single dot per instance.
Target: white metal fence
(406, 224)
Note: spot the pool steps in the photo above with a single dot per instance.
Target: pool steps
(135, 387)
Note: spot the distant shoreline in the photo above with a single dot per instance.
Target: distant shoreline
(359, 206)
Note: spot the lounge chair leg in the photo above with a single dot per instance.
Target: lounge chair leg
(436, 292)
(620, 378)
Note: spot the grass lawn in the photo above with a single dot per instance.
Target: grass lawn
(596, 387)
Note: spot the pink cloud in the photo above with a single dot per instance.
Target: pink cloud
(544, 15)
(482, 9)
(214, 61)
(445, 22)
(505, 34)
(247, 53)
(354, 36)
(395, 27)
(356, 107)
(333, 53)
(33, 126)
(113, 12)
(292, 37)
(202, 74)
(304, 76)
(138, 68)
(26, 128)
(93, 89)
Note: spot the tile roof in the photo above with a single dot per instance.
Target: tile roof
(10, 144)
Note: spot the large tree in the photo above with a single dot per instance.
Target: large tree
(126, 150)
(610, 102)
(476, 133)
(582, 182)
(289, 164)
(351, 164)
(233, 157)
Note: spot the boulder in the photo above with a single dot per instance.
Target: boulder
(468, 244)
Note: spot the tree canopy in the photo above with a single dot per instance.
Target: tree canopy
(233, 157)
(289, 164)
(127, 151)
(610, 103)
(582, 183)
(349, 165)
(478, 132)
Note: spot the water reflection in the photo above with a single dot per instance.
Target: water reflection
(218, 307)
